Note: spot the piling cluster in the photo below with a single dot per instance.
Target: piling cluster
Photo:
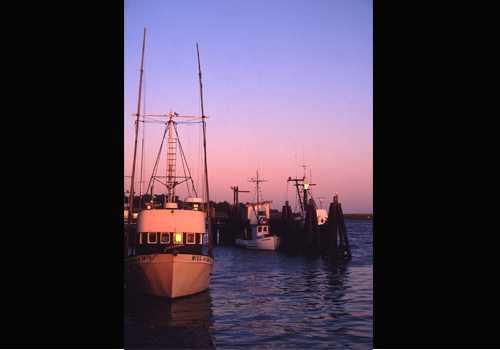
(305, 237)
(309, 238)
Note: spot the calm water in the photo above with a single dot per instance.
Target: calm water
(272, 300)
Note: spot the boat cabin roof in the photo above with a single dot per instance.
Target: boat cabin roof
(261, 204)
(255, 211)
(170, 220)
(193, 200)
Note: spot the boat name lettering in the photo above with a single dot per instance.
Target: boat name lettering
(201, 258)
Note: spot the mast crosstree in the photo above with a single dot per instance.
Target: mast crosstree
(257, 180)
(171, 152)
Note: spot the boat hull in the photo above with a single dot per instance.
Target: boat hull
(264, 243)
(169, 275)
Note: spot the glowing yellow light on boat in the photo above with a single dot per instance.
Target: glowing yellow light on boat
(306, 186)
(178, 237)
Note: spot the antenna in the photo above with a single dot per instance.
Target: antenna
(257, 181)
(253, 179)
(305, 187)
(321, 201)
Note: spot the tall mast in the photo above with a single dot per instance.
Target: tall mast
(131, 204)
(210, 241)
(170, 182)
(257, 181)
(258, 189)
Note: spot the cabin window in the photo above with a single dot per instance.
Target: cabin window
(262, 213)
(165, 238)
(260, 228)
(265, 228)
(178, 237)
(190, 238)
(152, 237)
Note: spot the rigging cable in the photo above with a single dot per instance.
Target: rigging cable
(184, 163)
(155, 168)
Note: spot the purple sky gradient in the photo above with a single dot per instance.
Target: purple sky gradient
(284, 82)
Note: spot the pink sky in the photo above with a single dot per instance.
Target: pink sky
(282, 81)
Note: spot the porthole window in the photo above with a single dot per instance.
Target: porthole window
(190, 238)
(152, 237)
(165, 238)
(178, 237)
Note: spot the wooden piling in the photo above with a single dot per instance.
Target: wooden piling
(286, 213)
(311, 230)
(291, 235)
(332, 228)
(213, 228)
(338, 248)
(343, 232)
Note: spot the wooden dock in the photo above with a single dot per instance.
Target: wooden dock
(171, 337)
(329, 240)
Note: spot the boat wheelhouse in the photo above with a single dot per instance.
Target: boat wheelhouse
(172, 228)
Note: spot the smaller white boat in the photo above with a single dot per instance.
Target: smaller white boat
(257, 234)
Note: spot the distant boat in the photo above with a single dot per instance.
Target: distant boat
(321, 214)
(167, 257)
(257, 234)
(304, 196)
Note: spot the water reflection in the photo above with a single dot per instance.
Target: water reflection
(281, 300)
(144, 310)
(274, 300)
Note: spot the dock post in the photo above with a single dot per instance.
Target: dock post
(332, 227)
(343, 233)
(315, 228)
(214, 231)
(311, 229)
(341, 248)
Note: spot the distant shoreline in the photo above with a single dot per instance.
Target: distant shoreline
(277, 215)
(358, 216)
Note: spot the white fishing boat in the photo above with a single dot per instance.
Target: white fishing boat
(169, 260)
(257, 234)
(166, 257)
